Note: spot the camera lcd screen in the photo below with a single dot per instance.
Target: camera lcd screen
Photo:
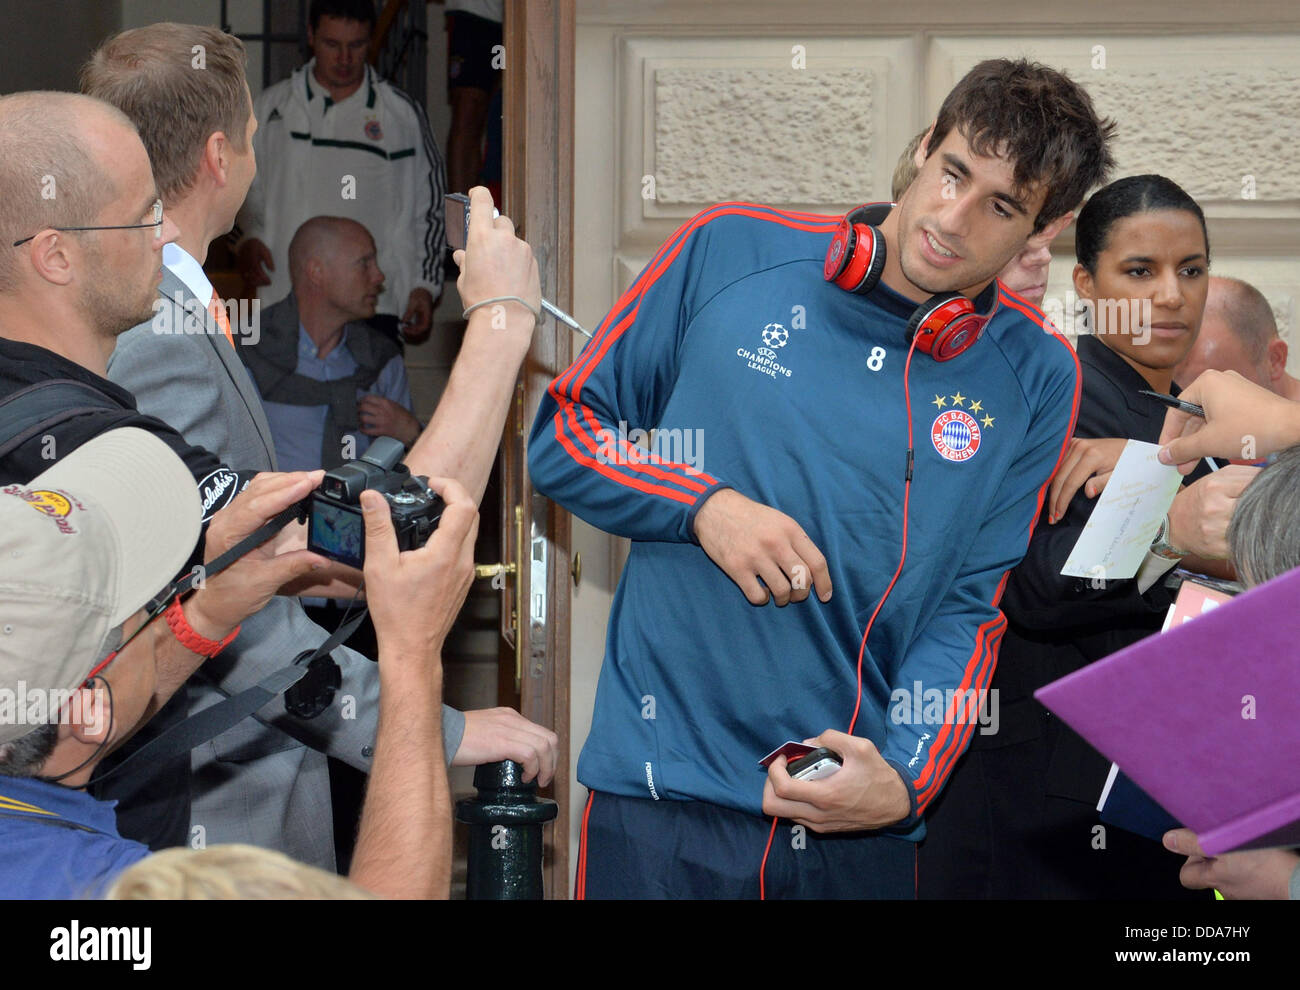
(337, 531)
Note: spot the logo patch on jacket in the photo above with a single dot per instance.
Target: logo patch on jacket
(955, 435)
(373, 130)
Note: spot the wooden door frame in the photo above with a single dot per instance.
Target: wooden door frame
(537, 193)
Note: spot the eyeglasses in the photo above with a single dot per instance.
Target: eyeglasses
(157, 225)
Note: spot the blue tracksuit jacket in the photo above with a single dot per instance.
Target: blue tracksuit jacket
(760, 376)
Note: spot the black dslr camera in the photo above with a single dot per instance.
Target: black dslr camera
(335, 527)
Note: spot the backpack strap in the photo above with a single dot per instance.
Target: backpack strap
(37, 408)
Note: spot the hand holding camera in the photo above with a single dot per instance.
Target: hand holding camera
(224, 601)
(334, 512)
(415, 594)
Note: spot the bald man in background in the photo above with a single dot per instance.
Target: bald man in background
(1239, 333)
(329, 381)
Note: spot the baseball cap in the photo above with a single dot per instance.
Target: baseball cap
(83, 547)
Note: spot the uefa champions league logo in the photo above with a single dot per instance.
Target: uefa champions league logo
(775, 335)
(763, 358)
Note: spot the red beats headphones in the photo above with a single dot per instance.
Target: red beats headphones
(944, 325)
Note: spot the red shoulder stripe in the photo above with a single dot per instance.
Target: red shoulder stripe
(567, 389)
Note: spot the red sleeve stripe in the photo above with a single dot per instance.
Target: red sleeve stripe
(567, 388)
(963, 729)
(691, 483)
(975, 665)
(633, 462)
(608, 471)
(633, 455)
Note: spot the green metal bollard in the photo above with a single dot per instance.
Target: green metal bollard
(505, 834)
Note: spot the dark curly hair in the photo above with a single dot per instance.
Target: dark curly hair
(1039, 119)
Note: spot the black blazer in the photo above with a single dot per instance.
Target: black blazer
(1057, 624)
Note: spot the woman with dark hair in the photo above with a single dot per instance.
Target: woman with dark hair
(1018, 818)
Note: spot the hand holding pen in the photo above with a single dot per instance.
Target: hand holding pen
(1234, 418)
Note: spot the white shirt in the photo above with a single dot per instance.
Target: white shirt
(185, 267)
(370, 157)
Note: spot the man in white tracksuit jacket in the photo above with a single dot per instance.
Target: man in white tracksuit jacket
(369, 156)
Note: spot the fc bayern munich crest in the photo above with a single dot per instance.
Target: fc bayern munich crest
(374, 131)
(955, 435)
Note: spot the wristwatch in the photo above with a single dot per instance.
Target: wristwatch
(1161, 546)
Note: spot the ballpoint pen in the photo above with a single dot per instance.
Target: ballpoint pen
(1173, 403)
(1179, 404)
(564, 317)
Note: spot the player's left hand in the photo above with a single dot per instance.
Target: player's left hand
(866, 792)
(382, 417)
(1255, 875)
(418, 317)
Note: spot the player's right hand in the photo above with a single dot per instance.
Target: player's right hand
(253, 254)
(756, 545)
(415, 595)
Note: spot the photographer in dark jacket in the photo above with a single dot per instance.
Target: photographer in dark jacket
(1018, 819)
(77, 269)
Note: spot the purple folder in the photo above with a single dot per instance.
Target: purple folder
(1170, 711)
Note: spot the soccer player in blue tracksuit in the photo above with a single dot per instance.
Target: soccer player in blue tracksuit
(778, 467)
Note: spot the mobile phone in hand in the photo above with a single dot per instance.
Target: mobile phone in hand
(456, 214)
(821, 762)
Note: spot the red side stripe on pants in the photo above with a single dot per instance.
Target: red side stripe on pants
(580, 893)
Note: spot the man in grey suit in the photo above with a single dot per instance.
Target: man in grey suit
(265, 782)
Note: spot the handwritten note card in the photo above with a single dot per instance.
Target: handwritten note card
(1127, 516)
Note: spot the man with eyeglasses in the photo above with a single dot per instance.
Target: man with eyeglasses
(267, 781)
(81, 239)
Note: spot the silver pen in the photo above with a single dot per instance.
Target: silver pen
(564, 317)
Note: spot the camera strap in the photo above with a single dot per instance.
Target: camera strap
(35, 409)
(211, 722)
(216, 719)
